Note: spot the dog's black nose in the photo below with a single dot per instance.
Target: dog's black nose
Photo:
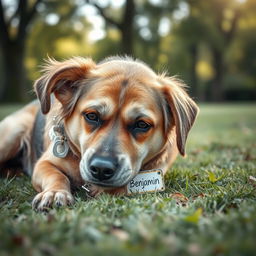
(102, 168)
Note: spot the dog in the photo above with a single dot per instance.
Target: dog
(100, 123)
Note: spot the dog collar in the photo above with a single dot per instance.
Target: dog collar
(60, 146)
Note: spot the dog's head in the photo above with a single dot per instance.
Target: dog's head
(118, 114)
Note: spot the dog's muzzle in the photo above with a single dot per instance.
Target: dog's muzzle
(106, 171)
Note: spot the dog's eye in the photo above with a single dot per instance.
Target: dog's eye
(92, 117)
(141, 125)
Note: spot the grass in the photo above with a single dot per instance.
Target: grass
(208, 208)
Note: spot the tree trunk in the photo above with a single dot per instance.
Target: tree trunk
(14, 75)
(127, 42)
(127, 28)
(13, 51)
(217, 84)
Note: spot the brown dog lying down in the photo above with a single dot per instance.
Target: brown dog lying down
(102, 124)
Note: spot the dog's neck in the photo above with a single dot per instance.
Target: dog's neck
(155, 161)
(73, 149)
(163, 159)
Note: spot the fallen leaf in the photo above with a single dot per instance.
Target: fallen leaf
(120, 234)
(179, 198)
(212, 177)
(201, 195)
(18, 240)
(194, 218)
(194, 249)
(248, 157)
(252, 180)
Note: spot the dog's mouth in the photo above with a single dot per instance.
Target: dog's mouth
(120, 179)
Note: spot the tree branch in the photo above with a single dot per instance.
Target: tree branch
(103, 14)
(15, 14)
(229, 34)
(4, 35)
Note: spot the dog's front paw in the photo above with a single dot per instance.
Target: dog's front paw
(50, 198)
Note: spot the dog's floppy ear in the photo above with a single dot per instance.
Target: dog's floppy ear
(61, 78)
(180, 107)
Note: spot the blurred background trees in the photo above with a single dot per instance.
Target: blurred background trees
(209, 44)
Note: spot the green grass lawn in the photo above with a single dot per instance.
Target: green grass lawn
(214, 214)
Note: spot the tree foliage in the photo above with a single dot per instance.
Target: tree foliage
(209, 44)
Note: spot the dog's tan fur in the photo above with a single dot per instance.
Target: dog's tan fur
(122, 94)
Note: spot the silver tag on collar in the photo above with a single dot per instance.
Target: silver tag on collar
(60, 148)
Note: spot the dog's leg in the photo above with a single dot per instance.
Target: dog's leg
(53, 185)
(15, 130)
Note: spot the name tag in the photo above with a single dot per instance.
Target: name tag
(146, 181)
